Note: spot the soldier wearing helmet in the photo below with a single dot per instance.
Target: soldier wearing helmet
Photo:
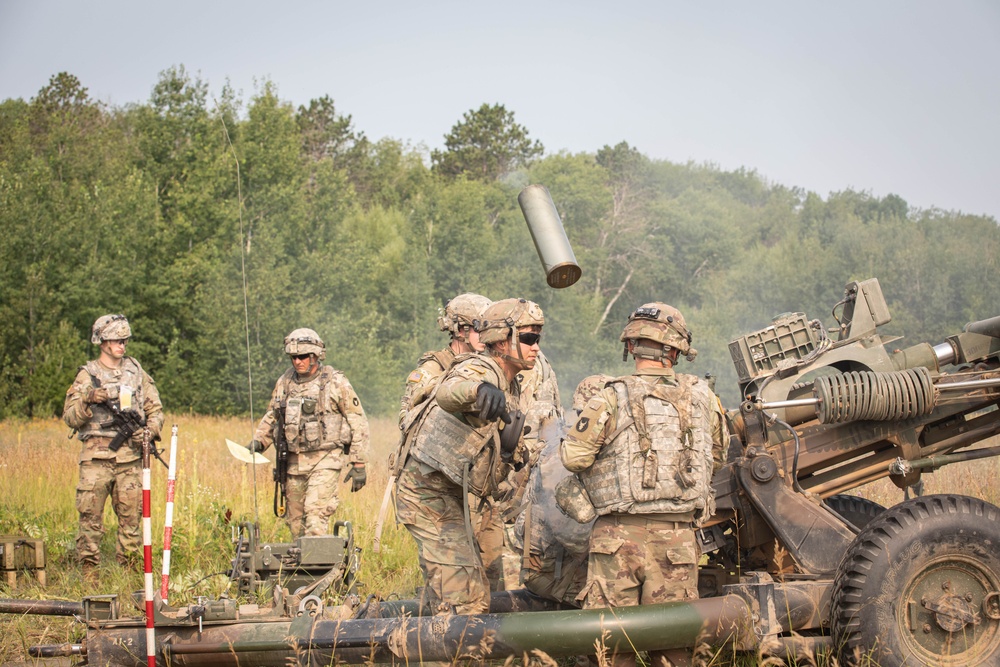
(644, 450)
(325, 428)
(458, 318)
(468, 437)
(110, 384)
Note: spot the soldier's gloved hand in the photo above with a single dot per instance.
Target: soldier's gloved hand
(490, 401)
(96, 395)
(511, 434)
(358, 477)
(255, 447)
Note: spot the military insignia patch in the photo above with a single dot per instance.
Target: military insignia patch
(582, 424)
(414, 376)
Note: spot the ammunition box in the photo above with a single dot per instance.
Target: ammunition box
(21, 554)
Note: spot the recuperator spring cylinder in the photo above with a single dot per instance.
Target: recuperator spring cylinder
(870, 395)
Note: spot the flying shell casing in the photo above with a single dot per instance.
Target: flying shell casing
(551, 244)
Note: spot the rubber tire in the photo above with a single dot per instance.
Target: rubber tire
(904, 556)
(857, 511)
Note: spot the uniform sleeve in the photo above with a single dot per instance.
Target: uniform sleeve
(457, 392)
(76, 411)
(350, 406)
(151, 405)
(418, 387)
(583, 442)
(265, 429)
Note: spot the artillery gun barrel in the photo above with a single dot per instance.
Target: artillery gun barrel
(41, 607)
(988, 327)
(429, 638)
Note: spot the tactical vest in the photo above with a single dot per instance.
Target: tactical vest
(659, 459)
(466, 455)
(460, 452)
(312, 419)
(127, 377)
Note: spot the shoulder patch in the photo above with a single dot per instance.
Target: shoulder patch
(415, 376)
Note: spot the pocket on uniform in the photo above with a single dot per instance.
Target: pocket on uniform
(311, 432)
(606, 545)
(683, 555)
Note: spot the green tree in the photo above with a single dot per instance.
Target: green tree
(485, 145)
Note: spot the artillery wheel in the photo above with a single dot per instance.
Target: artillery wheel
(858, 511)
(920, 586)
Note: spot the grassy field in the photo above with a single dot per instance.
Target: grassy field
(214, 492)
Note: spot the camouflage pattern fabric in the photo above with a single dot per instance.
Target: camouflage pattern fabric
(589, 387)
(421, 380)
(122, 482)
(433, 510)
(313, 496)
(313, 484)
(640, 559)
(91, 429)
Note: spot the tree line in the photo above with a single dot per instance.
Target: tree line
(219, 225)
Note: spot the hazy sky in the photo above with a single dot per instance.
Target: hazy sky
(885, 96)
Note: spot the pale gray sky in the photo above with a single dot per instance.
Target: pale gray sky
(887, 96)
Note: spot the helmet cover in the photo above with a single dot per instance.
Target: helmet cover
(305, 341)
(110, 327)
(502, 318)
(659, 322)
(463, 310)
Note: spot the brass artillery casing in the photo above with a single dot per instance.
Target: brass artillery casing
(558, 260)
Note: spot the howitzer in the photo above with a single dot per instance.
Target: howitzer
(280, 470)
(791, 564)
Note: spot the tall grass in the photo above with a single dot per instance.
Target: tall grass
(214, 493)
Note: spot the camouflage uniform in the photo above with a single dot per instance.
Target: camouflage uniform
(430, 499)
(642, 546)
(324, 426)
(104, 473)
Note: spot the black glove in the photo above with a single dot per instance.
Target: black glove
(255, 447)
(358, 477)
(511, 434)
(490, 402)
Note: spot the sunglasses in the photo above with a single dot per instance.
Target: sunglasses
(300, 357)
(529, 338)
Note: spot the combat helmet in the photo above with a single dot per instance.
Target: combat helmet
(503, 318)
(659, 322)
(462, 311)
(305, 341)
(110, 327)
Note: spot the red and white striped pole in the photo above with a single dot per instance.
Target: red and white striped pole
(168, 526)
(147, 551)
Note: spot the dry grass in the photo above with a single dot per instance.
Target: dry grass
(38, 475)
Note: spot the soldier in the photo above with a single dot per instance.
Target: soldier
(103, 389)
(461, 443)
(324, 425)
(457, 318)
(645, 448)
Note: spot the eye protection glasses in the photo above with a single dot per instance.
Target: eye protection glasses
(300, 357)
(529, 338)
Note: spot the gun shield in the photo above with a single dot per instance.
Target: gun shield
(551, 244)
